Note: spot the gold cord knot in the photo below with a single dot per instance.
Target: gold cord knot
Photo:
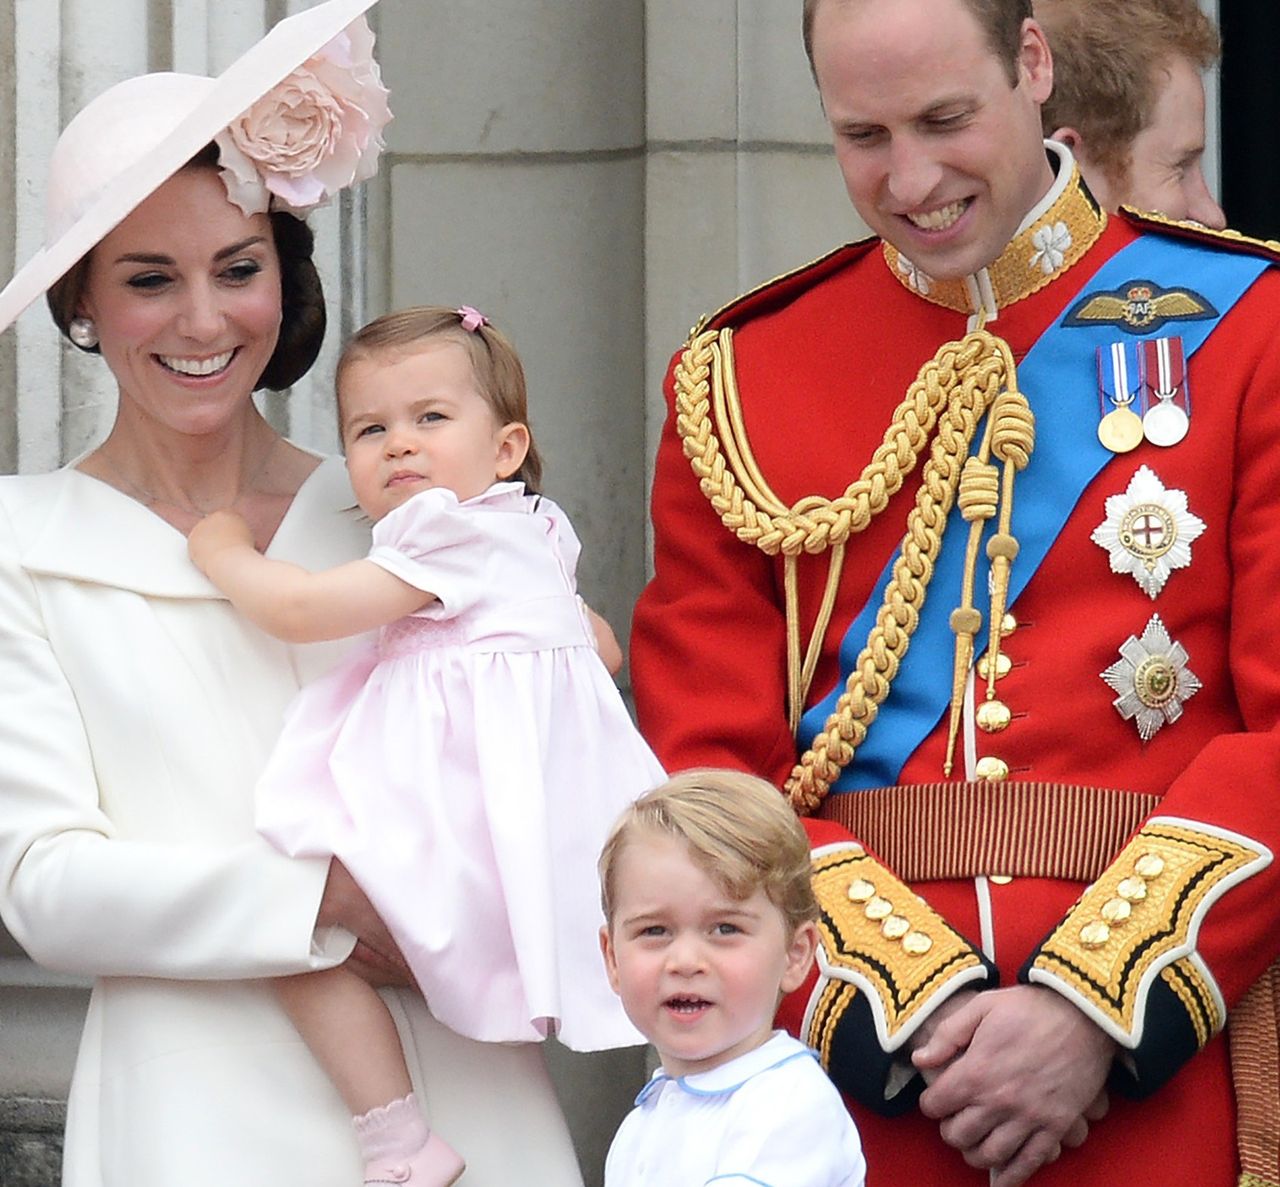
(979, 490)
(1013, 434)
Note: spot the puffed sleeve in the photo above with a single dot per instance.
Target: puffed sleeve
(439, 546)
(564, 540)
(83, 899)
(791, 1133)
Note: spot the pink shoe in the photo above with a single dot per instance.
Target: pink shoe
(437, 1164)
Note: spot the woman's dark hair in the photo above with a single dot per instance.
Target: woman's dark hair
(302, 315)
(302, 312)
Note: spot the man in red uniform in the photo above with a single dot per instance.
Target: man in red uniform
(966, 537)
(1128, 100)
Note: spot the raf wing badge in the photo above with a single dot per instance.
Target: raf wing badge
(1152, 679)
(1139, 307)
(1148, 531)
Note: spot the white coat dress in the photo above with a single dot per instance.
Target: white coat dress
(136, 710)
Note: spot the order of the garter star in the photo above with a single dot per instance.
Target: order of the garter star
(1148, 531)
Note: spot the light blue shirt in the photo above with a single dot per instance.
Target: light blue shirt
(769, 1118)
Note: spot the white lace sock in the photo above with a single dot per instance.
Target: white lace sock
(397, 1130)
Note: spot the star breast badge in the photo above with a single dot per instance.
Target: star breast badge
(1152, 679)
(1148, 531)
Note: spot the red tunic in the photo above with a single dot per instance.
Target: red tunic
(822, 359)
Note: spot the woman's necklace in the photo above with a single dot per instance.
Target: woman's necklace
(150, 499)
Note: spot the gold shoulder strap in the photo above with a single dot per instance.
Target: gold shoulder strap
(951, 393)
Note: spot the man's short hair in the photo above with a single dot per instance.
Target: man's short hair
(740, 830)
(1001, 21)
(1107, 59)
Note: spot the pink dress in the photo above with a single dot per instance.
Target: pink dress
(467, 767)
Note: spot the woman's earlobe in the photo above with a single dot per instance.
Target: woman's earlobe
(83, 332)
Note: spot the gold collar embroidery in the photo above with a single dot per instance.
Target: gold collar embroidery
(1037, 255)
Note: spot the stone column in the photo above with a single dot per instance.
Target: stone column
(741, 183)
(56, 402)
(515, 183)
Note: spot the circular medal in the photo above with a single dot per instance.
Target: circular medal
(1120, 430)
(1165, 423)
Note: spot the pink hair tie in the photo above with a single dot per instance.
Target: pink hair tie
(472, 319)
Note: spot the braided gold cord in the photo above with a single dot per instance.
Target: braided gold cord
(978, 501)
(877, 664)
(1012, 440)
(985, 493)
(951, 392)
(708, 411)
(739, 494)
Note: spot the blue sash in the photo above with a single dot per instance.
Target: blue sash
(1058, 377)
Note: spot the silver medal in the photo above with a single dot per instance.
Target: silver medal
(1165, 423)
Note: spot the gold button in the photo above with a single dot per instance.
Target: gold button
(1095, 934)
(991, 769)
(861, 891)
(1000, 879)
(1003, 664)
(1134, 889)
(993, 716)
(1149, 866)
(894, 928)
(916, 943)
(1008, 624)
(878, 908)
(1116, 910)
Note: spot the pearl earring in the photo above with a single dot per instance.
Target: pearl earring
(83, 333)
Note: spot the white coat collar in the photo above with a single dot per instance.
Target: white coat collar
(72, 526)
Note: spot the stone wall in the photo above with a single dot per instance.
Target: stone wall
(30, 1141)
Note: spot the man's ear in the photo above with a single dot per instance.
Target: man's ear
(1068, 136)
(1035, 62)
(512, 448)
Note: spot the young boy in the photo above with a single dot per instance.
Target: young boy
(709, 920)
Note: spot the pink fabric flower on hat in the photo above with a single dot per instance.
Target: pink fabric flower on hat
(317, 132)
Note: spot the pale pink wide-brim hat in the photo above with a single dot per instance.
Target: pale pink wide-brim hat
(136, 135)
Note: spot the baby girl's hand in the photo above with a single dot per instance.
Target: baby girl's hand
(216, 532)
(606, 642)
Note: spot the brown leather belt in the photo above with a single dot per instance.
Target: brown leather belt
(928, 832)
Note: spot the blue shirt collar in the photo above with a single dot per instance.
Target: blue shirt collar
(778, 1049)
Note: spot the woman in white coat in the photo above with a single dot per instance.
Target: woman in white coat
(136, 707)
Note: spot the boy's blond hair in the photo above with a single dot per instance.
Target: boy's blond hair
(739, 829)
